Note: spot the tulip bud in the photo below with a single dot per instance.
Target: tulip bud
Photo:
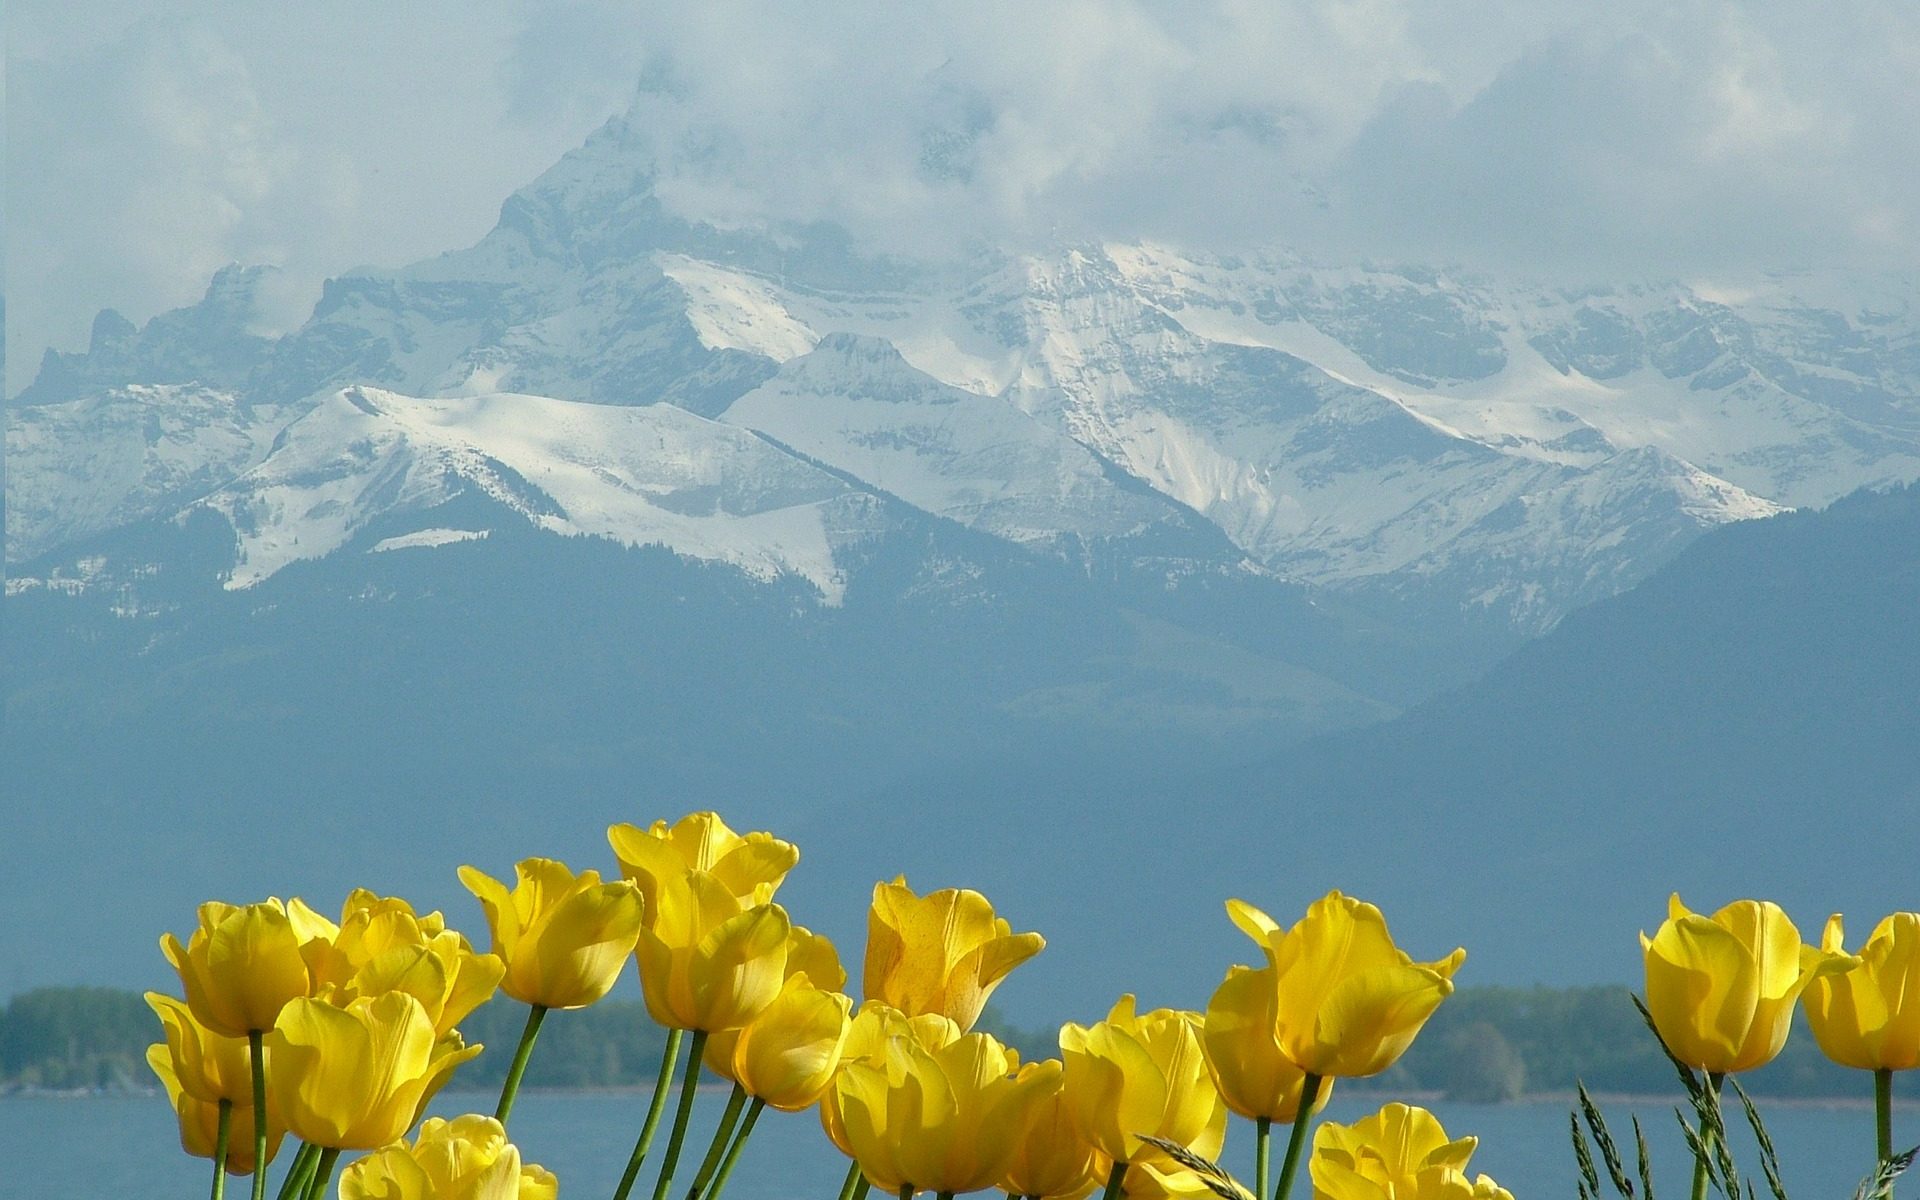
(563, 937)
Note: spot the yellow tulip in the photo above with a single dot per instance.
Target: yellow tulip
(1348, 1001)
(1241, 1036)
(467, 1158)
(872, 1030)
(208, 1066)
(1138, 1074)
(707, 960)
(200, 1119)
(1050, 1160)
(1867, 1013)
(382, 945)
(1154, 1175)
(751, 867)
(1722, 988)
(937, 1120)
(358, 1077)
(563, 937)
(1398, 1153)
(944, 952)
(788, 1053)
(240, 966)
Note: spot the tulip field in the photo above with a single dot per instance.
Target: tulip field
(304, 1050)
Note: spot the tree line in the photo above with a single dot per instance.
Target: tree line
(1484, 1044)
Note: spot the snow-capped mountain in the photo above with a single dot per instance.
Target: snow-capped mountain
(1490, 450)
(656, 475)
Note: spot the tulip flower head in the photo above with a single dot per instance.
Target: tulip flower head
(1400, 1152)
(358, 1077)
(240, 966)
(793, 1046)
(208, 1066)
(1050, 1160)
(708, 961)
(467, 1158)
(200, 1118)
(563, 937)
(869, 1035)
(382, 945)
(936, 1120)
(1722, 988)
(1866, 1013)
(1348, 1002)
(750, 866)
(1241, 1036)
(788, 1054)
(944, 952)
(1135, 1074)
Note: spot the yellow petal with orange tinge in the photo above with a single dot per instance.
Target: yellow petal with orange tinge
(944, 952)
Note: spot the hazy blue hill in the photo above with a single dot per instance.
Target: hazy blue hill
(1746, 723)
(381, 718)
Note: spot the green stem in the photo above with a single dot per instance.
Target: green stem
(945, 1195)
(668, 1058)
(294, 1185)
(861, 1189)
(1883, 1116)
(1702, 1167)
(1290, 1165)
(688, 1083)
(536, 1013)
(733, 1152)
(1262, 1150)
(323, 1173)
(256, 1051)
(853, 1177)
(906, 1191)
(1115, 1178)
(220, 1149)
(717, 1148)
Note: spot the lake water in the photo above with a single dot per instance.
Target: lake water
(113, 1147)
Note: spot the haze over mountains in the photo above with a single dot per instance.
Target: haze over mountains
(613, 514)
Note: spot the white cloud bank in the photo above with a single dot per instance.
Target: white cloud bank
(1549, 137)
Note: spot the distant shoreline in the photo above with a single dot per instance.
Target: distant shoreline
(1382, 1095)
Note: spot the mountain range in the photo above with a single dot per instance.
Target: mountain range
(617, 510)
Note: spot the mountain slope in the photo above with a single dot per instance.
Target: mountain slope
(1744, 723)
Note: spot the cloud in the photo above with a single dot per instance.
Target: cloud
(1544, 137)
(166, 137)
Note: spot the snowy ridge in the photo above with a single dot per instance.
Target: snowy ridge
(641, 476)
(1491, 445)
(854, 404)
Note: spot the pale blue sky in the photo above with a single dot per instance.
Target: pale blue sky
(152, 141)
